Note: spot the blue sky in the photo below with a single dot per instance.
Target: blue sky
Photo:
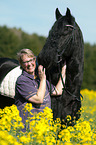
(38, 16)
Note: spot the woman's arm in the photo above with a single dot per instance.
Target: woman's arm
(38, 98)
(59, 86)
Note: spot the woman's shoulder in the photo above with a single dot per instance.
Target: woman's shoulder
(21, 78)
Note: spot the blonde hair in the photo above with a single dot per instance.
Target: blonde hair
(24, 51)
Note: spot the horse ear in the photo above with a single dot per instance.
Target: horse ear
(68, 15)
(57, 13)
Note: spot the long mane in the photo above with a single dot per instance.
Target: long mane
(64, 43)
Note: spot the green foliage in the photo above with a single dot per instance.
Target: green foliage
(89, 79)
(12, 40)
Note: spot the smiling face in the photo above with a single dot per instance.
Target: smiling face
(28, 63)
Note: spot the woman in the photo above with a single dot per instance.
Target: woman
(32, 88)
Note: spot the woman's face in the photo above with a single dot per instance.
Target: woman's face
(29, 64)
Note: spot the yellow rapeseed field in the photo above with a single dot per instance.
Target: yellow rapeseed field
(43, 130)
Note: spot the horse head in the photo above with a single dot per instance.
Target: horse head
(62, 41)
(65, 43)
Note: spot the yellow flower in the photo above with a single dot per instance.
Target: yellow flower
(24, 139)
(65, 135)
(28, 107)
(68, 117)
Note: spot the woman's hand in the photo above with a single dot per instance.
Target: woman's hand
(38, 98)
(41, 72)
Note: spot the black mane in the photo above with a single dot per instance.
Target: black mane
(64, 43)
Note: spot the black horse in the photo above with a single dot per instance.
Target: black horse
(64, 43)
